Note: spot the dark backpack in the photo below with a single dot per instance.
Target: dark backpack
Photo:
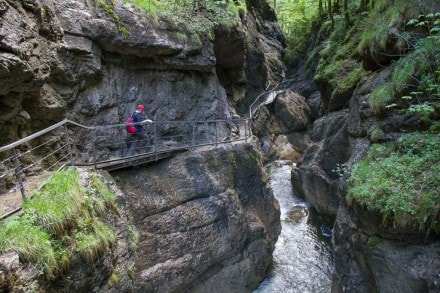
(129, 125)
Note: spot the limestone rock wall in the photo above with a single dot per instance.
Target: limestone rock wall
(201, 220)
(69, 59)
(208, 221)
(282, 126)
(369, 256)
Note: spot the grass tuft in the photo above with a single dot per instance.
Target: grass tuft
(133, 238)
(57, 204)
(61, 217)
(93, 240)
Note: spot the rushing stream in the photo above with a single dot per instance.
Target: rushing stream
(302, 259)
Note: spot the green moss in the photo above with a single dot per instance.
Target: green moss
(109, 10)
(342, 75)
(113, 280)
(373, 241)
(102, 197)
(376, 135)
(348, 75)
(401, 180)
(250, 157)
(231, 192)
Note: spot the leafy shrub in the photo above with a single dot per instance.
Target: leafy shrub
(401, 180)
(415, 79)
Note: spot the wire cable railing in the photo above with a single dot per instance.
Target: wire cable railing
(26, 162)
(68, 143)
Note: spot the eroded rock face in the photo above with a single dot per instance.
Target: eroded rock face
(397, 261)
(370, 256)
(315, 177)
(208, 221)
(69, 59)
(282, 125)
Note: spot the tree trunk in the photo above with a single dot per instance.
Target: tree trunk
(336, 6)
(346, 14)
(320, 8)
(330, 12)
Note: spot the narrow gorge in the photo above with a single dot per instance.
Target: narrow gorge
(207, 220)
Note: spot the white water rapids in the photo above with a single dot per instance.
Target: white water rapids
(302, 259)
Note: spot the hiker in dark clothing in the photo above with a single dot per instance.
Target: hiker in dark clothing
(138, 136)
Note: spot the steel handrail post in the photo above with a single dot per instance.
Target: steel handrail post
(246, 123)
(69, 149)
(193, 133)
(95, 153)
(155, 139)
(18, 174)
(216, 132)
(207, 134)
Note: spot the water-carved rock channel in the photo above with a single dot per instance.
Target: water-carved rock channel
(302, 259)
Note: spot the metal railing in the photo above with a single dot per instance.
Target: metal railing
(266, 97)
(24, 163)
(28, 160)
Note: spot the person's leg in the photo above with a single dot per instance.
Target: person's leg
(133, 143)
(144, 142)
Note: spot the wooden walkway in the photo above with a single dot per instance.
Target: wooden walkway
(133, 161)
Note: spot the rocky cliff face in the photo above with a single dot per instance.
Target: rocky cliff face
(370, 256)
(208, 221)
(204, 217)
(282, 126)
(70, 59)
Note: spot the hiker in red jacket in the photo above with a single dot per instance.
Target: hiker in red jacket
(138, 135)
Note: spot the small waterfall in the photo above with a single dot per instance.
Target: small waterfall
(302, 259)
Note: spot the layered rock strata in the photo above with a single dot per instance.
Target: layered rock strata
(208, 221)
